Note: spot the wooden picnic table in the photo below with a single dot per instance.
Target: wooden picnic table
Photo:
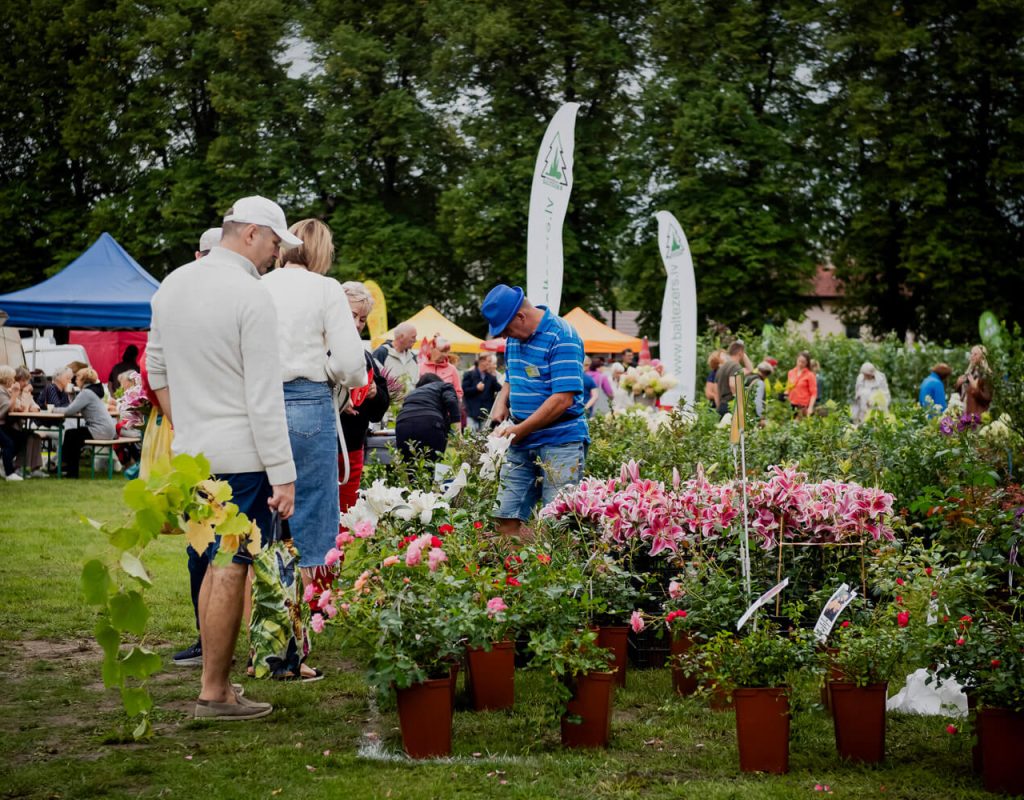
(48, 419)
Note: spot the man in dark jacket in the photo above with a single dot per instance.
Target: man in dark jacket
(129, 361)
(426, 418)
(479, 388)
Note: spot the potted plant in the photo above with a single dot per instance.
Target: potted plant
(584, 685)
(758, 668)
(614, 592)
(705, 601)
(866, 656)
(407, 611)
(986, 655)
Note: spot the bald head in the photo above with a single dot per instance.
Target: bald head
(404, 336)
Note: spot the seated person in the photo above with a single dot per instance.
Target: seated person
(11, 438)
(56, 392)
(23, 400)
(98, 424)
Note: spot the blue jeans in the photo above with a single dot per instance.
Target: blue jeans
(314, 439)
(532, 474)
(250, 491)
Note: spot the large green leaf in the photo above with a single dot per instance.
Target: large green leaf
(136, 701)
(141, 663)
(128, 612)
(96, 582)
(131, 564)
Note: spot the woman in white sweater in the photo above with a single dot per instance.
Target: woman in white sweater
(318, 343)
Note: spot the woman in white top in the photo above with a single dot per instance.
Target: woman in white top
(318, 344)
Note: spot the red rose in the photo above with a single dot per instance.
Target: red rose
(478, 524)
(436, 542)
(928, 571)
(951, 729)
(996, 662)
(543, 558)
(899, 581)
(510, 581)
(966, 619)
(899, 599)
(445, 529)
(512, 559)
(903, 619)
(960, 642)
(845, 624)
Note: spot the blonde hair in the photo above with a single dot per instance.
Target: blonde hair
(358, 294)
(316, 253)
(6, 375)
(85, 376)
(715, 359)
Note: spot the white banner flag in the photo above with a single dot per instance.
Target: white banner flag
(678, 335)
(549, 198)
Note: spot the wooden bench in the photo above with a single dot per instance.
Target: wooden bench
(109, 445)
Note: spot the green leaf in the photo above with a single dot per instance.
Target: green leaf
(89, 521)
(140, 663)
(149, 521)
(144, 729)
(112, 673)
(136, 495)
(107, 638)
(96, 582)
(124, 538)
(131, 564)
(128, 612)
(136, 701)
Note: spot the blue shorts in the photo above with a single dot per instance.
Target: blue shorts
(533, 474)
(250, 491)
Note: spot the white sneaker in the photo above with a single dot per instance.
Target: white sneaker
(39, 473)
(14, 476)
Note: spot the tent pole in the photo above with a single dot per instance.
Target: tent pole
(35, 347)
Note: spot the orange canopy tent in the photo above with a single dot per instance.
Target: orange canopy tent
(598, 337)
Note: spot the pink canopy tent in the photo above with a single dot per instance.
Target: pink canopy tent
(105, 347)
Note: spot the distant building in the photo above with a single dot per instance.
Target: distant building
(822, 314)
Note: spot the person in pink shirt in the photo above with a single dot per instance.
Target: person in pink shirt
(434, 358)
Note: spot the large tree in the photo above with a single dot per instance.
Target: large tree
(509, 67)
(726, 106)
(926, 113)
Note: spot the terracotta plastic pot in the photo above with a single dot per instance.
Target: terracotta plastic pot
(425, 717)
(682, 683)
(492, 676)
(1001, 735)
(858, 713)
(762, 729)
(616, 639)
(592, 704)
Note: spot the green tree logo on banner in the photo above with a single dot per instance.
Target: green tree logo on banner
(554, 170)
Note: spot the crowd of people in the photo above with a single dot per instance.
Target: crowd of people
(255, 357)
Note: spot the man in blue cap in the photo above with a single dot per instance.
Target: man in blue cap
(543, 399)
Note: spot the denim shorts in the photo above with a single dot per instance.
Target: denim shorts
(533, 474)
(314, 440)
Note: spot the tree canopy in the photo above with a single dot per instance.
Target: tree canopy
(885, 138)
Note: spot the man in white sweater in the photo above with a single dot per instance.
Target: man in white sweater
(212, 360)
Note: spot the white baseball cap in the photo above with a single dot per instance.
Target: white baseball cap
(258, 210)
(209, 240)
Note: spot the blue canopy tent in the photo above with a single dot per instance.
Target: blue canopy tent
(102, 288)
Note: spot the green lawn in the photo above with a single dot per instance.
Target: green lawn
(60, 731)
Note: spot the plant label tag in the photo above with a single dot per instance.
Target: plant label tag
(769, 595)
(840, 599)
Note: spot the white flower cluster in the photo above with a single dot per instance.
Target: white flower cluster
(647, 381)
(380, 500)
(491, 459)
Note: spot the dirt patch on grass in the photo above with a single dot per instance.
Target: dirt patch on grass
(76, 651)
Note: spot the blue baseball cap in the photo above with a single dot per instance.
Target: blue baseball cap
(500, 306)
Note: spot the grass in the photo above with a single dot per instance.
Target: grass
(62, 734)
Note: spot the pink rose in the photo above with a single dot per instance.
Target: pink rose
(343, 539)
(636, 622)
(434, 559)
(675, 590)
(325, 598)
(390, 561)
(333, 557)
(363, 529)
(330, 611)
(309, 593)
(316, 622)
(495, 605)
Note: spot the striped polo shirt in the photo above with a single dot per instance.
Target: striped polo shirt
(550, 361)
